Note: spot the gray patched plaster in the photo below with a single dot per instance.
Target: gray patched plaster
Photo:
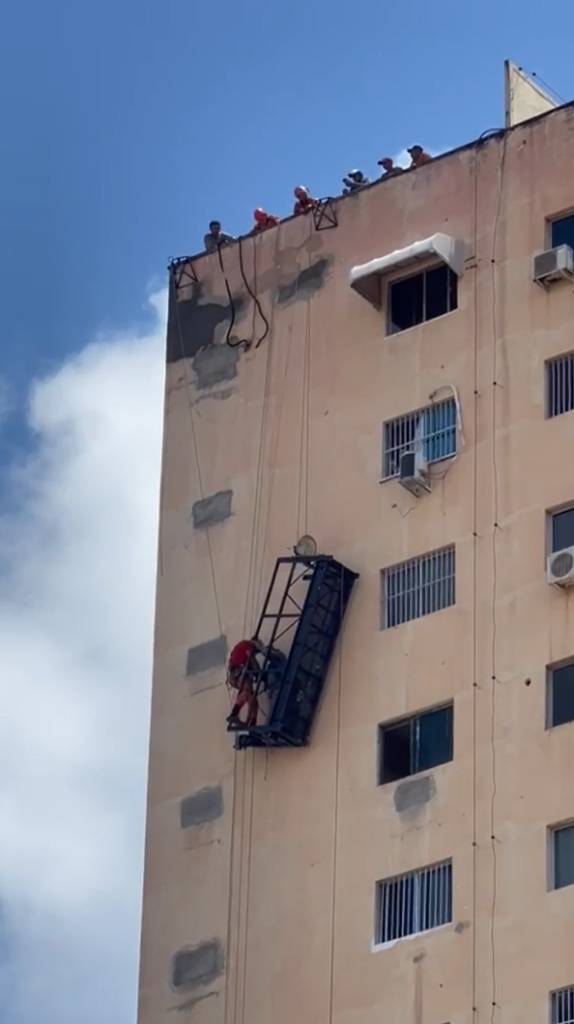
(409, 796)
(210, 654)
(195, 966)
(212, 510)
(203, 806)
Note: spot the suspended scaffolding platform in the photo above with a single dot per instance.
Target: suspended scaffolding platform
(299, 624)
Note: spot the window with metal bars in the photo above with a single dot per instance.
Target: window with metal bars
(413, 300)
(560, 385)
(418, 587)
(414, 902)
(562, 1006)
(415, 744)
(562, 862)
(433, 427)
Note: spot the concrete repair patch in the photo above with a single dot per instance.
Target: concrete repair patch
(195, 966)
(202, 657)
(203, 806)
(212, 510)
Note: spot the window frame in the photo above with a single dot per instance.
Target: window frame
(411, 720)
(550, 514)
(554, 1018)
(431, 264)
(549, 710)
(555, 218)
(415, 416)
(548, 414)
(417, 876)
(418, 560)
(552, 831)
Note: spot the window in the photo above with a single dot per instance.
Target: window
(562, 1006)
(562, 856)
(560, 385)
(421, 297)
(415, 902)
(561, 530)
(435, 428)
(562, 231)
(418, 587)
(560, 695)
(415, 744)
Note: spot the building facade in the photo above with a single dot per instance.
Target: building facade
(414, 862)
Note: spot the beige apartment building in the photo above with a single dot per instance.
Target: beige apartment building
(390, 378)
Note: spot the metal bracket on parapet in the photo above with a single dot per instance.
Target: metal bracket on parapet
(183, 272)
(325, 214)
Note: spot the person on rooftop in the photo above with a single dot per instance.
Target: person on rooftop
(354, 180)
(264, 220)
(419, 156)
(389, 169)
(303, 201)
(216, 237)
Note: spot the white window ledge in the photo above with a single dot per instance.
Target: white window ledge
(378, 947)
(366, 278)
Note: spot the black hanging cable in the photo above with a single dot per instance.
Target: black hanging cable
(253, 296)
(240, 341)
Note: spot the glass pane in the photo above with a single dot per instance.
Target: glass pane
(562, 232)
(439, 431)
(406, 300)
(437, 292)
(564, 857)
(435, 739)
(563, 529)
(562, 695)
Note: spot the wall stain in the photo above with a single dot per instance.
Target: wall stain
(410, 796)
(215, 364)
(209, 654)
(189, 1004)
(462, 926)
(205, 805)
(196, 966)
(198, 321)
(305, 283)
(212, 510)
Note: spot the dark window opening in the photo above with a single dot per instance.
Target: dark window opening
(562, 231)
(562, 529)
(413, 300)
(560, 695)
(416, 744)
(560, 385)
(563, 856)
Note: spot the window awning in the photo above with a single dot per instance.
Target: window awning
(366, 278)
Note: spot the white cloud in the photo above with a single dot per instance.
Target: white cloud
(77, 561)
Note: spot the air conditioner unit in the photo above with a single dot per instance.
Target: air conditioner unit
(553, 264)
(560, 568)
(413, 473)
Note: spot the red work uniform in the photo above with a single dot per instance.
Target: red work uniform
(242, 658)
(303, 205)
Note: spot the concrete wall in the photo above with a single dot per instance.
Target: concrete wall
(261, 868)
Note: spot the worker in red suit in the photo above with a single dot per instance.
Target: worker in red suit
(264, 220)
(241, 666)
(303, 201)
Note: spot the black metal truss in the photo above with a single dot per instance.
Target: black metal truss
(183, 272)
(325, 214)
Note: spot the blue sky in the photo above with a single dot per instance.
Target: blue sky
(126, 127)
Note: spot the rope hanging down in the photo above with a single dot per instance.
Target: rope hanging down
(246, 343)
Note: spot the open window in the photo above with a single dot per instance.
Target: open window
(420, 297)
(428, 289)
